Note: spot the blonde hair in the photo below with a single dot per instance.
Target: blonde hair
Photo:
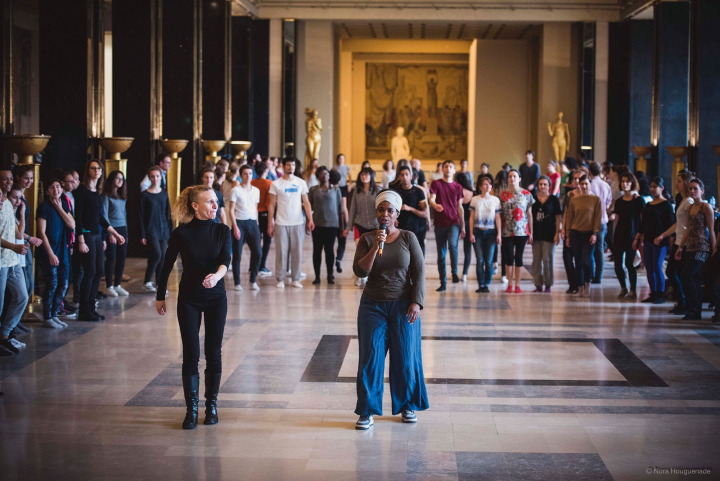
(183, 211)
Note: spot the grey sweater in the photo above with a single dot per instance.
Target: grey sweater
(326, 206)
(113, 210)
(398, 274)
(362, 209)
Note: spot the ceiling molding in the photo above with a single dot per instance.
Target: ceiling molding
(245, 7)
(635, 7)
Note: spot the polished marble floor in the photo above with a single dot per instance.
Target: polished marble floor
(521, 387)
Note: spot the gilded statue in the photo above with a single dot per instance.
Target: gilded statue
(313, 126)
(399, 148)
(560, 133)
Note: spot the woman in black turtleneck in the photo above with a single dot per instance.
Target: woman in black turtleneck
(88, 225)
(205, 248)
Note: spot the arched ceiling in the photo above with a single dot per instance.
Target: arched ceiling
(537, 11)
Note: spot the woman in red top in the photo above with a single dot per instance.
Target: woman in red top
(554, 178)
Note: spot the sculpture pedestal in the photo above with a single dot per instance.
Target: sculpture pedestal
(678, 152)
(116, 164)
(32, 195)
(213, 158)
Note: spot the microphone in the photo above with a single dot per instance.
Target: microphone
(382, 244)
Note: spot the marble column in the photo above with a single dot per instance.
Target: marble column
(136, 104)
(70, 80)
(315, 84)
(275, 46)
(251, 83)
(5, 79)
(181, 83)
(216, 68)
(708, 91)
(671, 81)
(602, 39)
(641, 91)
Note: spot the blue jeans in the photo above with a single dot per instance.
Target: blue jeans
(485, 243)
(443, 237)
(29, 273)
(56, 284)
(12, 279)
(582, 253)
(382, 327)
(598, 262)
(654, 256)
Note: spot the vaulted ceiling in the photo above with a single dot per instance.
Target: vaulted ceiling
(446, 10)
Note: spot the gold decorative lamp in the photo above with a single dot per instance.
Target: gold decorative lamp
(114, 147)
(641, 163)
(240, 148)
(173, 147)
(27, 146)
(212, 147)
(678, 152)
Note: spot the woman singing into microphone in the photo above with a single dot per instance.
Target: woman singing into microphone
(204, 247)
(389, 316)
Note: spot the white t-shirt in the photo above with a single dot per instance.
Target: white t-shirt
(681, 217)
(484, 210)
(289, 200)
(246, 202)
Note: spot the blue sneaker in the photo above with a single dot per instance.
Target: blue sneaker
(364, 422)
(409, 417)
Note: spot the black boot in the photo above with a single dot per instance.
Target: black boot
(190, 388)
(212, 387)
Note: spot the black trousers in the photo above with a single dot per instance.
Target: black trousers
(92, 264)
(342, 242)
(583, 254)
(115, 256)
(711, 277)
(691, 280)
(250, 233)
(569, 262)
(76, 272)
(421, 239)
(673, 270)
(624, 249)
(155, 259)
(189, 313)
(467, 251)
(513, 249)
(324, 239)
(266, 239)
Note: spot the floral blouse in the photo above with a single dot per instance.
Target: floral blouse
(514, 212)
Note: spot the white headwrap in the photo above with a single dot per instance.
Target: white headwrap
(390, 196)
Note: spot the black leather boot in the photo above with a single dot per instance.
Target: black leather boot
(212, 387)
(190, 388)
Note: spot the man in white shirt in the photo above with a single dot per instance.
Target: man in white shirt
(244, 221)
(11, 274)
(164, 161)
(603, 190)
(289, 195)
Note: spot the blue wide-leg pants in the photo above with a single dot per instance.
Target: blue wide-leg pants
(383, 327)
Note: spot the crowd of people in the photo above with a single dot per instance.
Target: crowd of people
(589, 208)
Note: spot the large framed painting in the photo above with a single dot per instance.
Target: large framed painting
(429, 101)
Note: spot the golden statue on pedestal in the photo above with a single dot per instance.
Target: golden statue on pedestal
(560, 133)
(313, 127)
(400, 148)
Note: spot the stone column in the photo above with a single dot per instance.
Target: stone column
(216, 55)
(275, 46)
(315, 52)
(6, 127)
(71, 54)
(137, 104)
(670, 72)
(705, 91)
(181, 86)
(251, 83)
(602, 54)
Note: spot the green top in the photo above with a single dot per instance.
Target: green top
(398, 274)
